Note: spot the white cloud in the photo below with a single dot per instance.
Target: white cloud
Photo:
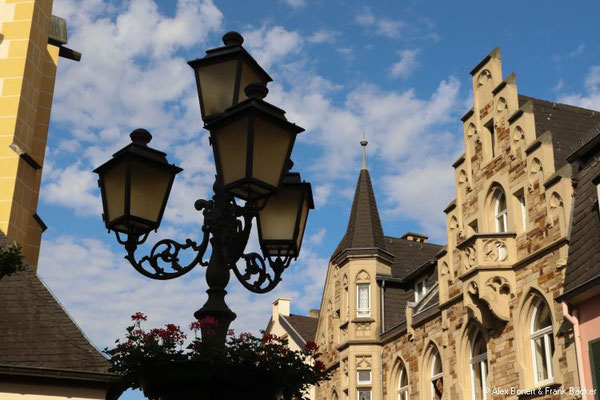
(591, 97)
(110, 290)
(270, 45)
(406, 65)
(73, 187)
(391, 28)
(322, 193)
(295, 3)
(323, 36)
(139, 80)
(317, 238)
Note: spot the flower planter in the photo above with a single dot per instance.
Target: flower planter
(203, 380)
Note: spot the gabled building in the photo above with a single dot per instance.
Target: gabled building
(297, 329)
(477, 318)
(581, 295)
(43, 353)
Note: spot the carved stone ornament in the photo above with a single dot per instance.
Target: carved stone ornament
(497, 294)
(492, 298)
(363, 362)
(363, 329)
(495, 250)
(469, 258)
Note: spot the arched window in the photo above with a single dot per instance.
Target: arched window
(437, 377)
(334, 396)
(500, 213)
(542, 345)
(478, 367)
(402, 383)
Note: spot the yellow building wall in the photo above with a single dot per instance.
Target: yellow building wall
(19, 391)
(27, 72)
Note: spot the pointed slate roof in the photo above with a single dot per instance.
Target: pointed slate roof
(364, 230)
(36, 331)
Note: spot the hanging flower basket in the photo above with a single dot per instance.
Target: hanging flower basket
(247, 367)
(192, 380)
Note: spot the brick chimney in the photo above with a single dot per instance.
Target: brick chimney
(281, 307)
(314, 313)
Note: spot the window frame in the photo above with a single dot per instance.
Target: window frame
(359, 382)
(546, 334)
(403, 390)
(363, 390)
(363, 312)
(523, 208)
(432, 378)
(500, 215)
(481, 361)
(420, 294)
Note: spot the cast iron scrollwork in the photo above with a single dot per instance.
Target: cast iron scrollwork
(256, 265)
(226, 227)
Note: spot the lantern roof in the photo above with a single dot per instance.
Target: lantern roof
(256, 92)
(139, 147)
(233, 48)
(294, 178)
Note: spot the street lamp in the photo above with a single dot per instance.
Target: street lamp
(252, 142)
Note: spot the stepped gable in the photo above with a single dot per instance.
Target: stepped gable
(36, 331)
(364, 232)
(567, 123)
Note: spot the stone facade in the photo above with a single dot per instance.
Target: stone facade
(484, 305)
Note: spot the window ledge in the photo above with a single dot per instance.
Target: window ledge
(363, 319)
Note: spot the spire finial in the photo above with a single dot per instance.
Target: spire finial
(364, 144)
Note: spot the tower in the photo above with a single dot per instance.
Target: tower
(31, 41)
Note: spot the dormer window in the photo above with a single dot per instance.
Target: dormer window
(420, 290)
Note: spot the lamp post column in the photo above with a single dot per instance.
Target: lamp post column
(221, 219)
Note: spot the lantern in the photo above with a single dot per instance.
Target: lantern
(135, 186)
(252, 142)
(222, 75)
(282, 221)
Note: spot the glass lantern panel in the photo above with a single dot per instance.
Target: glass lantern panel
(302, 223)
(248, 76)
(149, 186)
(278, 218)
(217, 83)
(271, 145)
(114, 191)
(231, 145)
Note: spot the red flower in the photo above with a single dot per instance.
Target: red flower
(319, 365)
(311, 346)
(138, 316)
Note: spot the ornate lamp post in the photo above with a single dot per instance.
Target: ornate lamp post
(252, 142)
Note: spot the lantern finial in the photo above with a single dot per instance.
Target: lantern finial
(256, 90)
(141, 136)
(233, 39)
(364, 144)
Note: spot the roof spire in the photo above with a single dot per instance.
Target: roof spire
(364, 144)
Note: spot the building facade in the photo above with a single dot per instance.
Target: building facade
(581, 296)
(31, 41)
(297, 329)
(476, 318)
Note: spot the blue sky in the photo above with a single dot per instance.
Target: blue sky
(399, 70)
